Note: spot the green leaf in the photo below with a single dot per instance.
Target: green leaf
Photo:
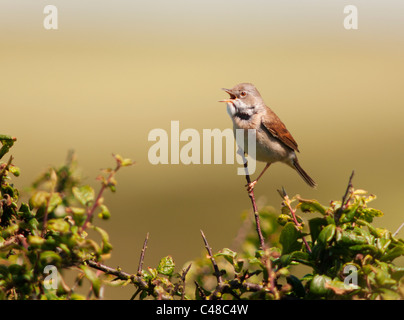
(14, 170)
(283, 219)
(104, 214)
(393, 253)
(143, 295)
(124, 162)
(340, 287)
(25, 211)
(298, 256)
(7, 142)
(369, 213)
(255, 260)
(311, 206)
(153, 272)
(39, 199)
(382, 244)
(288, 238)
(349, 238)
(79, 215)
(166, 266)
(318, 285)
(364, 248)
(315, 226)
(84, 194)
(58, 225)
(388, 294)
(238, 266)
(297, 286)
(49, 257)
(228, 254)
(327, 234)
(35, 240)
(54, 201)
(106, 246)
(92, 277)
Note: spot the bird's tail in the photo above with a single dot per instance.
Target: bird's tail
(303, 174)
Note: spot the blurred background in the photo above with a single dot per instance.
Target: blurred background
(113, 71)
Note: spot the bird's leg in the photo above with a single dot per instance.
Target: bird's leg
(251, 185)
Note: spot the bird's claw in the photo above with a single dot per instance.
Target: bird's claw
(250, 186)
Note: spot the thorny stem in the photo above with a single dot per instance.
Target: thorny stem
(45, 218)
(398, 230)
(5, 167)
(212, 259)
(97, 201)
(139, 269)
(117, 273)
(345, 199)
(184, 274)
(266, 258)
(293, 212)
(254, 205)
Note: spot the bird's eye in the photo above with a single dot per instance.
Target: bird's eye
(243, 93)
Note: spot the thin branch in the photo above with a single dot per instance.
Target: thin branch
(53, 178)
(345, 199)
(105, 184)
(398, 230)
(254, 205)
(23, 241)
(200, 290)
(76, 282)
(184, 274)
(135, 294)
(142, 285)
(139, 269)
(5, 167)
(287, 202)
(266, 259)
(121, 275)
(212, 259)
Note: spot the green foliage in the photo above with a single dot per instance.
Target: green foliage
(50, 230)
(343, 254)
(347, 258)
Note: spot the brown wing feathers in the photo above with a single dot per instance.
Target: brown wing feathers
(276, 127)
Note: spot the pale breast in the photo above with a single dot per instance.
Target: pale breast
(268, 148)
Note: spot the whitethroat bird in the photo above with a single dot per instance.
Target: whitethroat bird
(273, 141)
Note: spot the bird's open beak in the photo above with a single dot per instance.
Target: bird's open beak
(232, 96)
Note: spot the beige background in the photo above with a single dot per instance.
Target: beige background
(116, 70)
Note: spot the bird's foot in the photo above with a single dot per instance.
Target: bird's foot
(250, 186)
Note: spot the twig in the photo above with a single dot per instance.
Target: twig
(139, 269)
(200, 290)
(97, 201)
(135, 294)
(23, 241)
(53, 178)
(5, 167)
(398, 230)
(184, 274)
(345, 199)
(286, 201)
(254, 205)
(117, 273)
(90, 291)
(76, 282)
(212, 259)
(266, 259)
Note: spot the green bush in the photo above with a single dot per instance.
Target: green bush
(346, 257)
